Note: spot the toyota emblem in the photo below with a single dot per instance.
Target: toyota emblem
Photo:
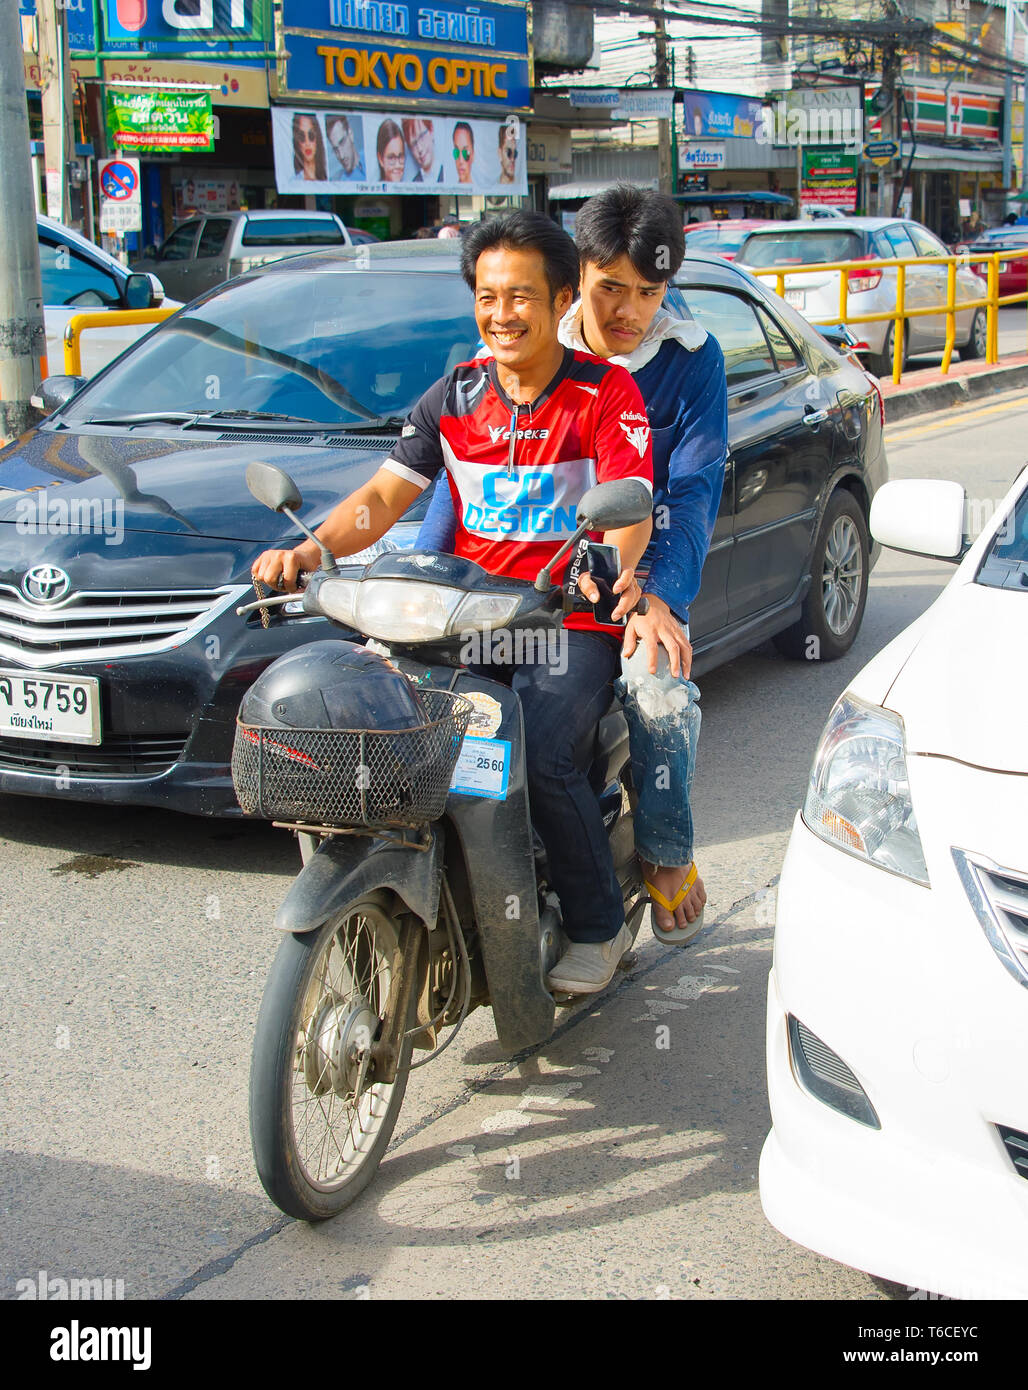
(45, 584)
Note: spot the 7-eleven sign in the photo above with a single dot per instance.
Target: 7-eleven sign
(954, 113)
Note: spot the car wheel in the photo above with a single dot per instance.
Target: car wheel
(834, 607)
(881, 362)
(975, 345)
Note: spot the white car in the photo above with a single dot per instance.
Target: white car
(80, 278)
(897, 1020)
(873, 289)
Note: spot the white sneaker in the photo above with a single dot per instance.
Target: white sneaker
(588, 966)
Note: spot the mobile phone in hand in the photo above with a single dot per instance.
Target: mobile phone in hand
(604, 565)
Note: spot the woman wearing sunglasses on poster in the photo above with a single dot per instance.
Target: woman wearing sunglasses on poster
(308, 148)
(463, 151)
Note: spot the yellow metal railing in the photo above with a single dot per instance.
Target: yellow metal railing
(991, 303)
(109, 318)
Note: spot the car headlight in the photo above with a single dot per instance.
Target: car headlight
(858, 797)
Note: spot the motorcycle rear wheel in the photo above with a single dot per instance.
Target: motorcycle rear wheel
(319, 1122)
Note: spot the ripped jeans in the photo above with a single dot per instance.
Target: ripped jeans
(664, 728)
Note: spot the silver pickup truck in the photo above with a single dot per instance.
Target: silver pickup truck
(206, 251)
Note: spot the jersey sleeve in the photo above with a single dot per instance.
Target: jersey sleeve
(622, 436)
(417, 455)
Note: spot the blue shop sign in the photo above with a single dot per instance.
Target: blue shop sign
(81, 23)
(720, 113)
(503, 28)
(444, 54)
(174, 22)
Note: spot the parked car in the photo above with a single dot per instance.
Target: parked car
(207, 251)
(1013, 275)
(897, 1023)
(816, 293)
(720, 238)
(359, 237)
(127, 614)
(79, 278)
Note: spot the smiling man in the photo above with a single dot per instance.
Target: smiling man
(522, 434)
(631, 246)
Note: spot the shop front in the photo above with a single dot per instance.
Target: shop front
(396, 116)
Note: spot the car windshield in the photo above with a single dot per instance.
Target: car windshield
(1006, 561)
(326, 346)
(801, 248)
(716, 238)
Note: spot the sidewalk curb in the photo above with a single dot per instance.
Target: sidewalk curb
(958, 390)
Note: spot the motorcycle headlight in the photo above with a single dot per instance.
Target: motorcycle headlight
(402, 610)
(858, 797)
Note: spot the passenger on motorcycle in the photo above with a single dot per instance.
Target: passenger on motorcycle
(522, 434)
(631, 247)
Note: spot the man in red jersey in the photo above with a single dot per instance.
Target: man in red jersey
(522, 434)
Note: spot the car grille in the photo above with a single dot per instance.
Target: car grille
(1016, 1145)
(120, 755)
(95, 625)
(1000, 899)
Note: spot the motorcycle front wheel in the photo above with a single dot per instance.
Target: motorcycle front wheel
(319, 1121)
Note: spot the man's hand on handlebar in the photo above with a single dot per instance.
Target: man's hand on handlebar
(626, 585)
(281, 569)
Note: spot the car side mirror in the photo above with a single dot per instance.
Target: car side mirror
(920, 516)
(57, 391)
(157, 289)
(138, 292)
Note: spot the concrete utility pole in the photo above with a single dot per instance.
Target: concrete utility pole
(56, 87)
(1008, 92)
(662, 81)
(22, 334)
(892, 125)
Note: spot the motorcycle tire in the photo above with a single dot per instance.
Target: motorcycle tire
(319, 1123)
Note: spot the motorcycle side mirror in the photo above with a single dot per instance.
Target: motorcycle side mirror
(273, 487)
(621, 502)
(277, 490)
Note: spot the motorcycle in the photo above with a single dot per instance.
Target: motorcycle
(423, 892)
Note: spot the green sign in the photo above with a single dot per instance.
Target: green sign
(160, 121)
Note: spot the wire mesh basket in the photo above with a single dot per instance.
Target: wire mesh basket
(370, 778)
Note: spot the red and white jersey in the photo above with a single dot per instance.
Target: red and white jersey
(515, 505)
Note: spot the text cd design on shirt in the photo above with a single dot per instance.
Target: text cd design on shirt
(537, 503)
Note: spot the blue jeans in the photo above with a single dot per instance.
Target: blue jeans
(561, 709)
(664, 728)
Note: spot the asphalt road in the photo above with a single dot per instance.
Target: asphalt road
(605, 1165)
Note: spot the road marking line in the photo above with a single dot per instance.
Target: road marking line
(951, 420)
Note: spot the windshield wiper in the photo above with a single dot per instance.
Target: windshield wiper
(379, 422)
(230, 415)
(145, 417)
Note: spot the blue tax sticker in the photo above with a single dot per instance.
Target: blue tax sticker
(483, 768)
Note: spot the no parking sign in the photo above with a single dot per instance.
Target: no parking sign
(121, 206)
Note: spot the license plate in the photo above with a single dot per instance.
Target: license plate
(55, 708)
(797, 298)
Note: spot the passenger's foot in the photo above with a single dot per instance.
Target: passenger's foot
(589, 966)
(678, 899)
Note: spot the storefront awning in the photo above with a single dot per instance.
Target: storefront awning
(565, 192)
(931, 159)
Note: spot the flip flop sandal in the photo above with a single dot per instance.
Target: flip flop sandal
(676, 936)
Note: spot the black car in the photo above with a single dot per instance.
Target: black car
(127, 532)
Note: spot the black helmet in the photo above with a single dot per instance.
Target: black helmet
(332, 685)
(291, 759)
